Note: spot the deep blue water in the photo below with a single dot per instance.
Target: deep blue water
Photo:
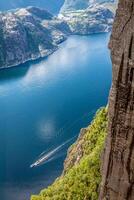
(45, 103)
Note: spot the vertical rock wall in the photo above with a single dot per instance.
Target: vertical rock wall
(118, 162)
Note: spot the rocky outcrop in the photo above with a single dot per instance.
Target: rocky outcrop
(28, 34)
(76, 152)
(118, 162)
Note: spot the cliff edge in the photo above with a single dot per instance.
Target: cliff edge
(118, 161)
(81, 176)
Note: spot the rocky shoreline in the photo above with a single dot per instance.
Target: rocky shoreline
(28, 60)
(29, 34)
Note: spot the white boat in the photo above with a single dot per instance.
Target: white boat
(48, 155)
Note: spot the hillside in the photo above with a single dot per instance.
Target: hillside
(81, 176)
(28, 34)
(31, 33)
(86, 17)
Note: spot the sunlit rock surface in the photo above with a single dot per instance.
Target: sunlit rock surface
(27, 34)
(118, 162)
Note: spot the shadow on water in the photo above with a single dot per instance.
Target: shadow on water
(11, 72)
(40, 111)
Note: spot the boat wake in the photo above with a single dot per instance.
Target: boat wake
(49, 156)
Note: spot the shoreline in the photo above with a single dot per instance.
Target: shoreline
(39, 57)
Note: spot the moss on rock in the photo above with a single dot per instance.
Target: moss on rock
(81, 177)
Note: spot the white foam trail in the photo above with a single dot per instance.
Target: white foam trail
(54, 157)
(47, 156)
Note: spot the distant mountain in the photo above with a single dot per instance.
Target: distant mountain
(88, 16)
(28, 34)
(71, 5)
(50, 5)
(31, 33)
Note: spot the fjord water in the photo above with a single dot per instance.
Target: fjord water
(43, 104)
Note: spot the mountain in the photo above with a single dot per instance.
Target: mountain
(94, 19)
(71, 5)
(31, 33)
(28, 34)
(81, 176)
(90, 16)
(52, 6)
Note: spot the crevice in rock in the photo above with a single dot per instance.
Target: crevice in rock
(130, 48)
(118, 183)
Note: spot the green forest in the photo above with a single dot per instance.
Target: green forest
(80, 181)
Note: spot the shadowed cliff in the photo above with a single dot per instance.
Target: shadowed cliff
(118, 162)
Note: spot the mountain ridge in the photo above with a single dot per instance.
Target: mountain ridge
(28, 34)
(31, 33)
(92, 17)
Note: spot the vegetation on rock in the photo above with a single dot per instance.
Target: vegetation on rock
(81, 177)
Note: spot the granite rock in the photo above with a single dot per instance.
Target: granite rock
(118, 159)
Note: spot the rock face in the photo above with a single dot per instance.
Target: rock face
(118, 162)
(27, 34)
(88, 16)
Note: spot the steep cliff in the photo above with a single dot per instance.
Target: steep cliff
(81, 176)
(118, 162)
(27, 34)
